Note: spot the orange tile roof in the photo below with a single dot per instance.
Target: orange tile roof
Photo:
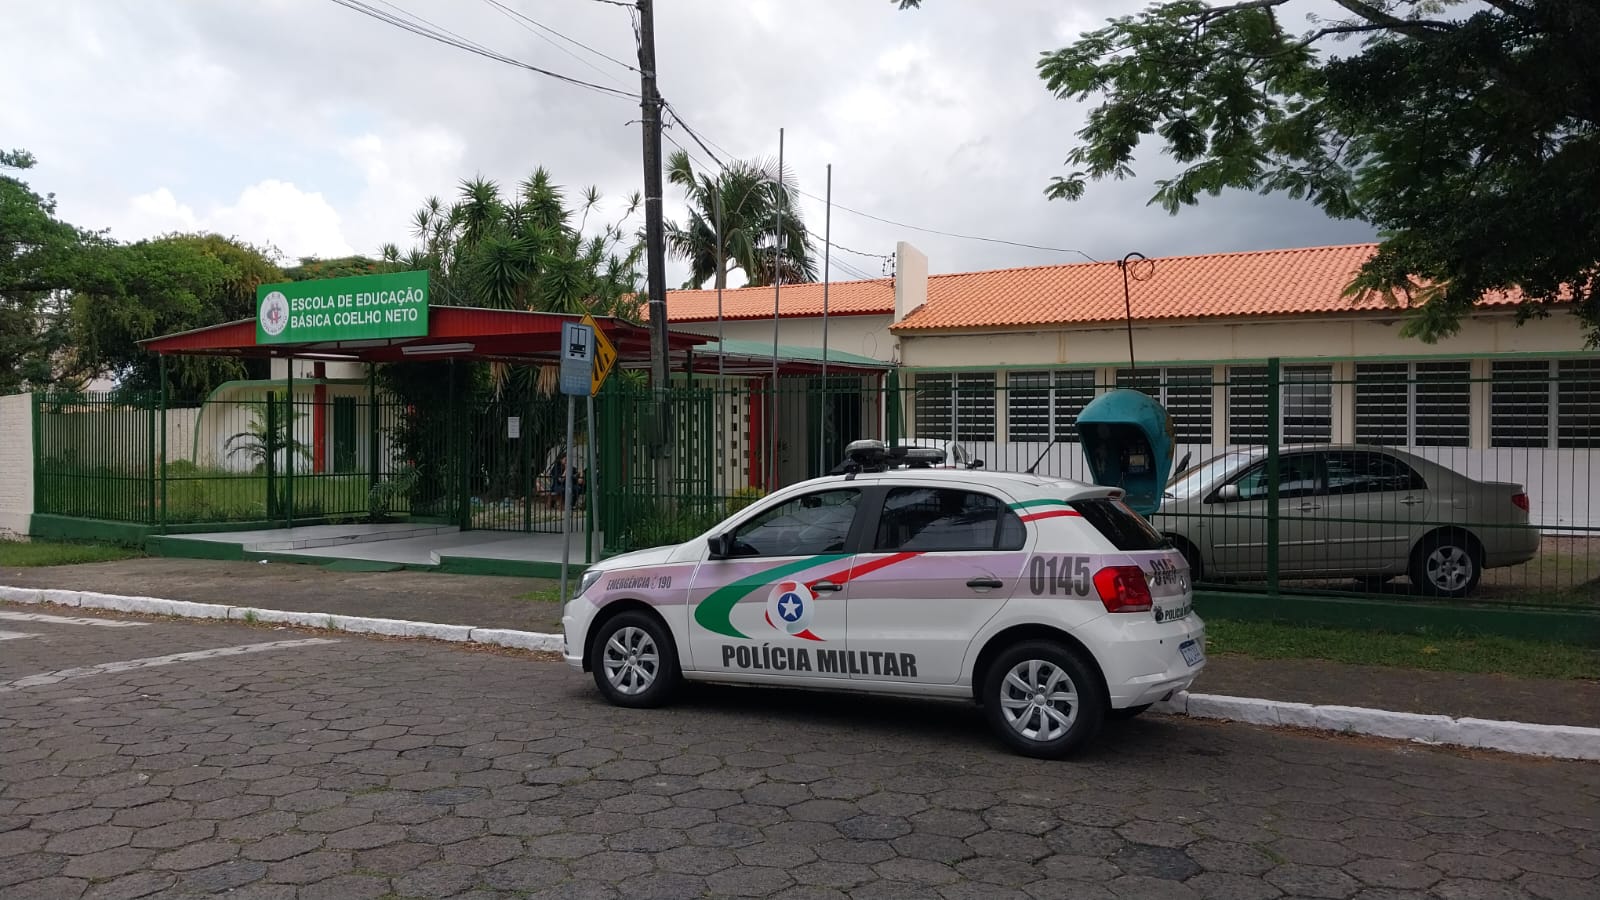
(845, 298)
(1256, 283)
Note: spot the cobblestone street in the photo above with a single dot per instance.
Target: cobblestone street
(170, 759)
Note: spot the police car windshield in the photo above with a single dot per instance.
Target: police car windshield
(1203, 477)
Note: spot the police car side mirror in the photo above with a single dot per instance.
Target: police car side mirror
(721, 546)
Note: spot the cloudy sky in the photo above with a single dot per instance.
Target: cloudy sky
(309, 127)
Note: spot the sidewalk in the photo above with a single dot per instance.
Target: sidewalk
(492, 602)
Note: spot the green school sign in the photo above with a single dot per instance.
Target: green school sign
(362, 307)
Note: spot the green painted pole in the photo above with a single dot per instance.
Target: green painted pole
(289, 448)
(272, 455)
(163, 509)
(1274, 437)
(150, 468)
(38, 456)
(525, 450)
(892, 406)
(372, 426)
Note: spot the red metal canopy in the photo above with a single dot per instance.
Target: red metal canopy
(460, 332)
(494, 335)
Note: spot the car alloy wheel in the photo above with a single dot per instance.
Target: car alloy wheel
(1043, 698)
(1449, 568)
(1039, 700)
(631, 661)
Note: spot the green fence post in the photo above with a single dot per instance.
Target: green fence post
(150, 455)
(1274, 437)
(291, 444)
(163, 508)
(892, 406)
(38, 456)
(372, 426)
(525, 452)
(272, 455)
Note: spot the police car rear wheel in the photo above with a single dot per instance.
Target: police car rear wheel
(1043, 699)
(634, 661)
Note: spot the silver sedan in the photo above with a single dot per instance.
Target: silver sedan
(1347, 511)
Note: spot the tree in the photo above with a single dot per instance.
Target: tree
(751, 197)
(39, 256)
(130, 292)
(524, 251)
(1467, 132)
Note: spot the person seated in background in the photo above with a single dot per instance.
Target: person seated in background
(555, 480)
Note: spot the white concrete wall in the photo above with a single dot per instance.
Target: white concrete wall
(1341, 337)
(862, 335)
(16, 465)
(228, 412)
(115, 438)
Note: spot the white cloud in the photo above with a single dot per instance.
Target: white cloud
(270, 213)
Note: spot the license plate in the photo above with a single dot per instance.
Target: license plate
(1192, 654)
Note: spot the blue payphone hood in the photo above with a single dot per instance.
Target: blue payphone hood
(1127, 441)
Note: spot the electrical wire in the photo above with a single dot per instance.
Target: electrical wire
(951, 234)
(435, 33)
(543, 27)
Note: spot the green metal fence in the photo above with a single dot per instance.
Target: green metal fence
(1457, 479)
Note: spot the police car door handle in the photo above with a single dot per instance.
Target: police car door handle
(985, 584)
(826, 586)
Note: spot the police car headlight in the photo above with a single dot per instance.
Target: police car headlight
(588, 580)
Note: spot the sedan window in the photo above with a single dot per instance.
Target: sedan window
(805, 526)
(1368, 472)
(1297, 477)
(932, 519)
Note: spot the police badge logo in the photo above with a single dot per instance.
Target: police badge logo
(789, 606)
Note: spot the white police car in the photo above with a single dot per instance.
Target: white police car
(1048, 601)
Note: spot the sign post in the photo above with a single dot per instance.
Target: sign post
(605, 358)
(577, 368)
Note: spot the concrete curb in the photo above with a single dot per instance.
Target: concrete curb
(1557, 741)
(496, 637)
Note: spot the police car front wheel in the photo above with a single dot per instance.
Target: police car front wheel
(634, 661)
(1042, 699)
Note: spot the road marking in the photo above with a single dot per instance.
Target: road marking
(147, 662)
(7, 615)
(15, 635)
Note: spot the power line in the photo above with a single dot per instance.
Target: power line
(968, 237)
(543, 27)
(838, 246)
(617, 3)
(434, 33)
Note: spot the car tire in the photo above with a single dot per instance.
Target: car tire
(635, 662)
(1026, 718)
(1446, 564)
(1125, 713)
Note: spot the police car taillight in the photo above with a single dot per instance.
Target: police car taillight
(1123, 589)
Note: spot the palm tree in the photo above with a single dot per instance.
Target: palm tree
(528, 250)
(748, 197)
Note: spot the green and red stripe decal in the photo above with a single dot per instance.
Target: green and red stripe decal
(715, 612)
(1049, 509)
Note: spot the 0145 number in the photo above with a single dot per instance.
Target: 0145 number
(1065, 575)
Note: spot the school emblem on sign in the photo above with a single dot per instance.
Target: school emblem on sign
(274, 313)
(789, 607)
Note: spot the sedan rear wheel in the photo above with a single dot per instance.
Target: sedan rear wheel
(1445, 565)
(1042, 699)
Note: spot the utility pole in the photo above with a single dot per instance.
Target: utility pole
(654, 232)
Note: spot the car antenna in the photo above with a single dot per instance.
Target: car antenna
(1142, 274)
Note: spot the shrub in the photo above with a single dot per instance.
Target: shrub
(743, 497)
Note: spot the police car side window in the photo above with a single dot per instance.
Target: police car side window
(934, 519)
(807, 525)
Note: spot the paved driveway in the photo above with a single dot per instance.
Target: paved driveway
(176, 759)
